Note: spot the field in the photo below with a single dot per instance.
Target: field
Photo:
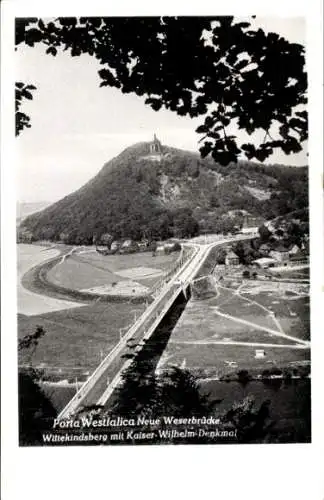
(78, 335)
(218, 360)
(220, 335)
(77, 338)
(117, 274)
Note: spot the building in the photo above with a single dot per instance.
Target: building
(299, 258)
(280, 254)
(251, 224)
(143, 245)
(259, 353)
(155, 146)
(264, 249)
(231, 259)
(265, 262)
(24, 236)
(115, 246)
(294, 250)
(160, 250)
(127, 244)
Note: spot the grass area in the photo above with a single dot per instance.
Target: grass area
(87, 270)
(201, 322)
(79, 275)
(292, 313)
(213, 327)
(76, 338)
(297, 273)
(212, 359)
(117, 262)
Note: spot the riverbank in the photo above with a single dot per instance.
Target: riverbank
(31, 301)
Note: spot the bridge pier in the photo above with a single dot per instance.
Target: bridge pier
(186, 292)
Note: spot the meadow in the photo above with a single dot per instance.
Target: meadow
(84, 270)
(76, 339)
(218, 360)
(200, 340)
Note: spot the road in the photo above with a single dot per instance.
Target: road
(278, 333)
(103, 381)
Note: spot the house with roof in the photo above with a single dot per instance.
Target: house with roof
(251, 224)
(280, 254)
(293, 250)
(264, 262)
(128, 246)
(115, 246)
(264, 249)
(231, 259)
(299, 258)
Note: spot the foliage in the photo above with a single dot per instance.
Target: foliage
(22, 91)
(36, 411)
(264, 233)
(29, 343)
(215, 68)
(124, 199)
(252, 424)
(245, 252)
(220, 255)
(243, 377)
(177, 393)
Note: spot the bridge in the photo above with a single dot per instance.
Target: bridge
(100, 386)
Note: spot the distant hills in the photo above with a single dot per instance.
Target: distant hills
(24, 209)
(155, 192)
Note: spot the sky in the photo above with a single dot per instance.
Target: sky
(78, 126)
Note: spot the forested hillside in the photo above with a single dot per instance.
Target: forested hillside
(175, 193)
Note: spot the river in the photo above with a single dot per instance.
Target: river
(30, 303)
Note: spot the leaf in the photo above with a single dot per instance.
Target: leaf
(51, 50)
(156, 104)
(202, 129)
(241, 64)
(27, 94)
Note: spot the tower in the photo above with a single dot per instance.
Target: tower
(155, 146)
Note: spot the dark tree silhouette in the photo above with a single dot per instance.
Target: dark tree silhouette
(30, 342)
(215, 68)
(22, 92)
(36, 412)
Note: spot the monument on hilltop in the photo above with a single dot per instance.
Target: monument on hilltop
(156, 146)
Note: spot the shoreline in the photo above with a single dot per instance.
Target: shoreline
(35, 281)
(32, 301)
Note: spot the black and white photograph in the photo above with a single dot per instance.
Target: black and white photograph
(162, 231)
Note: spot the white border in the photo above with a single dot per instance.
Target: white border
(261, 472)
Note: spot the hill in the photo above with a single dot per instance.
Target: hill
(154, 191)
(24, 209)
